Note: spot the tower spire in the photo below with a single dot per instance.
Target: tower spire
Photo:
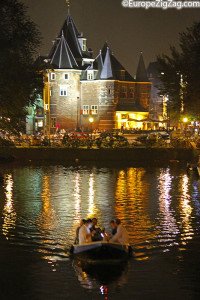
(68, 6)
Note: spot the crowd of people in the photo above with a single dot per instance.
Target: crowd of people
(88, 232)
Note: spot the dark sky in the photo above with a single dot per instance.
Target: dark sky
(128, 31)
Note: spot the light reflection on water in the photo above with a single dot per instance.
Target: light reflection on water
(9, 214)
(41, 207)
(156, 208)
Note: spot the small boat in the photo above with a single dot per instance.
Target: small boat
(102, 251)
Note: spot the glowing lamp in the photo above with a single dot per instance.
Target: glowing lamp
(91, 120)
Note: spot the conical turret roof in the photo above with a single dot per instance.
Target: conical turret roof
(107, 72)
(72, 36)
(112, 69)
(63, 57)
(141, 74)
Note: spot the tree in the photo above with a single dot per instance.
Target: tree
(180, 75)
(20, 81)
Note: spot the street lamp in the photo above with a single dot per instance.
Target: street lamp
(91, 120)
(185, 121)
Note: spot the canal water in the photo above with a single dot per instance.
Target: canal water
(40, 209)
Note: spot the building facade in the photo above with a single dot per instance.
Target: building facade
(82, 92)
(158, 106)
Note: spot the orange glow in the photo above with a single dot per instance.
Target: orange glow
(132, 204)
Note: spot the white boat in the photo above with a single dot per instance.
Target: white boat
(102, 251)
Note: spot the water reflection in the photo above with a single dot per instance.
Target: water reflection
(167, 223)
(100, 276)
(185, 209)
(91, 207)
(9, 214)
(132, 206)
(40, 208)
(77, 200)
(159, 207)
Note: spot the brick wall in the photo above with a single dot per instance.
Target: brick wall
(65, 107)
(143, 94)
(102, 94)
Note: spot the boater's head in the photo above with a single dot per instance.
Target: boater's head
(82, 222)
(94, 221)
(88, 223)
(117, 222)
(112, 224)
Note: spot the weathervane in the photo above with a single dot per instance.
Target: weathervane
(68, 5)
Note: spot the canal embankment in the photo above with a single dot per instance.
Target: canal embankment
(104, 154)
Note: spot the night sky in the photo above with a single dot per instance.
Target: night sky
(127, 30)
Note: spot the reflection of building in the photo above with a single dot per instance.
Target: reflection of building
(79, 86)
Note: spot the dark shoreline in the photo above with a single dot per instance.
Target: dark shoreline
(96, 155)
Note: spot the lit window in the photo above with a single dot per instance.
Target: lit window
(94, 109)
(46, 106)
(63, 90)
(66, 76)
(40, 123)
(53, 76)
(53, 122)
(85, 109)
(90, 75)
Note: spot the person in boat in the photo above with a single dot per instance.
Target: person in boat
(114, 228)
(121, 236)
(82, 222)
(97, 236)
(85, 235)
(94, 223)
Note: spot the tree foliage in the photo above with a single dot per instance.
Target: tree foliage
(20, 81)
(180, 74)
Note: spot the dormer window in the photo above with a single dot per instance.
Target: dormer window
(90, 75)
(82, 42)
(123, 75)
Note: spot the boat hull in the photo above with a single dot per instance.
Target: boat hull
(102, 251)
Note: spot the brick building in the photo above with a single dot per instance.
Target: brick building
(85, 92)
